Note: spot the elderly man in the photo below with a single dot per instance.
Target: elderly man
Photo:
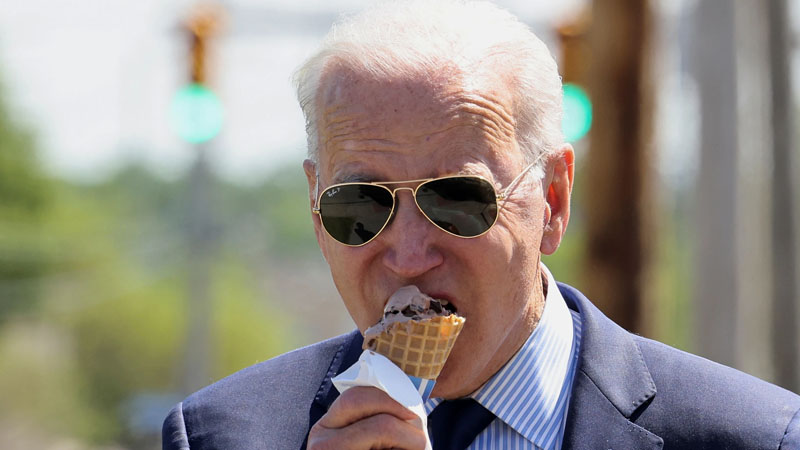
(436, 160)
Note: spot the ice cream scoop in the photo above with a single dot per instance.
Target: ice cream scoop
(416, 332)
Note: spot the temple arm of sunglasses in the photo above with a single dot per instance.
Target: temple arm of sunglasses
(503, 195)
(315, 208)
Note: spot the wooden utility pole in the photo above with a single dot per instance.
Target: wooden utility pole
(617, 194)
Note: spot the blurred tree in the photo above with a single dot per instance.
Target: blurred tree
(100, 354)
(24, 194)
(92, 293)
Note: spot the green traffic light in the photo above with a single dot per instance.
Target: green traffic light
(577, 118)
(196, 113)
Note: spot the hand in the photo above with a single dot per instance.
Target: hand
(367, 418)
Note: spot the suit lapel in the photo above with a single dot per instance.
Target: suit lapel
(345, 356)
(611, 388)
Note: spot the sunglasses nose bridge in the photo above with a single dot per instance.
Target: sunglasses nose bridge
(396, 204)
(413, 191)
(403, 188)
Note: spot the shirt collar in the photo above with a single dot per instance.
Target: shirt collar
(525, 392)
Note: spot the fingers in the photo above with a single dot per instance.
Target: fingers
(374, 432)
(360, 402)
(367, 418)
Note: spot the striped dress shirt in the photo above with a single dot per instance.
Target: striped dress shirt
(530, 394)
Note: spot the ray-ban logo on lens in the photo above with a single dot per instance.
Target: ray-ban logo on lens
(333, 192)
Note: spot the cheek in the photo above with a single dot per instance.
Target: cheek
(354, 275)
(525, 225)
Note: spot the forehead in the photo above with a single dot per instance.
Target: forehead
(412, 123)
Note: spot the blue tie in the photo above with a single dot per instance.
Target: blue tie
(454, 424)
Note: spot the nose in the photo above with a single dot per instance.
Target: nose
(408, 239)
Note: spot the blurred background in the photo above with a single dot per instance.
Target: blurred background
(155, 232)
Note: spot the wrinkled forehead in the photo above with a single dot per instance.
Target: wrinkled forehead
(346, 83)
(360, 110)
(357, 90)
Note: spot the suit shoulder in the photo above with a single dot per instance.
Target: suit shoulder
(710, 400)
(669, 364)
(289, 368)
(240, 411)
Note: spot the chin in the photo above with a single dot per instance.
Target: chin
(450, 383)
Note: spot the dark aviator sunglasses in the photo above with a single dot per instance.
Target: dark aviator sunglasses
(461, 205)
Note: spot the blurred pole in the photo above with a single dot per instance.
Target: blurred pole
(197, 369)
(716, 293)
(784, 328)
(203, 23)
(753, 245)
(619, 195)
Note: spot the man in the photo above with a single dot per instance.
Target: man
(436, 160)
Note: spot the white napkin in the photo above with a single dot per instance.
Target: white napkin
(376, 370)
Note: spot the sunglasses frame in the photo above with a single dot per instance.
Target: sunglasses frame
(499, 197)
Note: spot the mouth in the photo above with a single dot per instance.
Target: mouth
(450, 300)
(450, 306)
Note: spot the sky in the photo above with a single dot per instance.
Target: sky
(93, 79)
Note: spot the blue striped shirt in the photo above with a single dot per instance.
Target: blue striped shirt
(530, 394)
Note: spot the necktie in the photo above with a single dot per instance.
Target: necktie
(454, 424)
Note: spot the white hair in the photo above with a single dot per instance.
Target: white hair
(462, 37)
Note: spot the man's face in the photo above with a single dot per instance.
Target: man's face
(404, 129)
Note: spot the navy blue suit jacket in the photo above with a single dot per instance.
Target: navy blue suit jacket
(629, 393)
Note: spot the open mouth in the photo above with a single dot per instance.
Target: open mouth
(445, 301)
(436, 305)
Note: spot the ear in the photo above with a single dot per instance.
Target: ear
(310, 169)
(558, 189)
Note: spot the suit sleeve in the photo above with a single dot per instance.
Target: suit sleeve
(173, 432)
(791, 440)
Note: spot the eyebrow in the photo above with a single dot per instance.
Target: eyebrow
(353, 178)
(363, 177)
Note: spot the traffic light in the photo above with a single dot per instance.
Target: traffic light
(196, 113)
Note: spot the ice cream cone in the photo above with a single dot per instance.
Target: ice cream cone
(419, 347)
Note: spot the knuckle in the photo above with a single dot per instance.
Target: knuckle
(319, 439)
(357, 398)
(314, 438)
(384, 424)
(348, 399)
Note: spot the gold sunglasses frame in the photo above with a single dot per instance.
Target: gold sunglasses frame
(499, 197)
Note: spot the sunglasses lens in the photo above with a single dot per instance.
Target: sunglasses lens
(464, 206)
(354, 213)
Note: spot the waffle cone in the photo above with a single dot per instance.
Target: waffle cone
(419, 347)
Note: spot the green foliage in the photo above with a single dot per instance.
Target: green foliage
(127, 306)
(287, 210)
(24, 194)
(23, 187)
(40, 383)
(93, 288)
(112, 322)
(126, 344)
(247, 329)
(673, 278)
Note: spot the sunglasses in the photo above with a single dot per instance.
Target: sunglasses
(461, 205)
